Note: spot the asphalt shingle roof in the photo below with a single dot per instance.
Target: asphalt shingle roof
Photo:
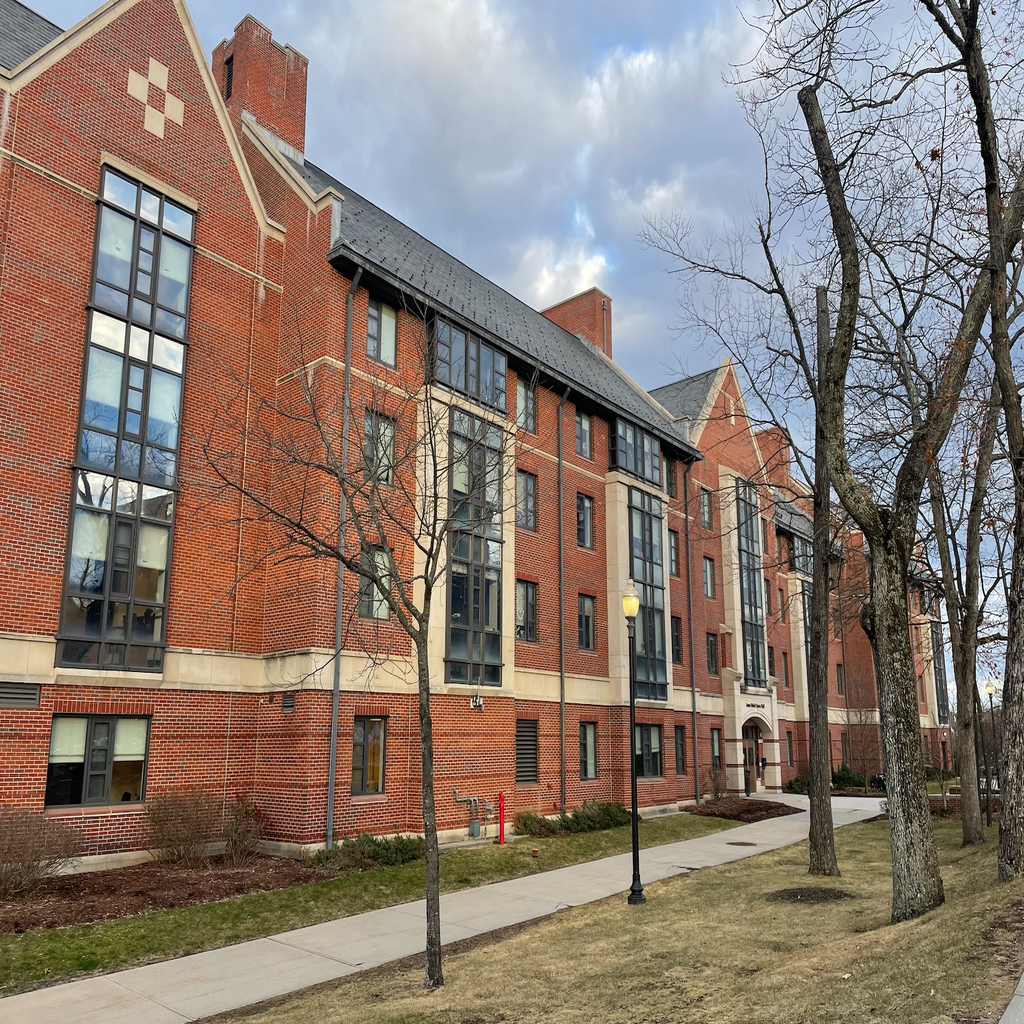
(386, 243)
(686, 397)
(22, 33)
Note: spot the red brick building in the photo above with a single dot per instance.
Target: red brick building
(172, 268)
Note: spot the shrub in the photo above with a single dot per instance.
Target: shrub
(591, 817)
(847, 778)
(795, 786)
(716, 783)
(32, 847)
(183, 825)
(368, 852)
(243, 833)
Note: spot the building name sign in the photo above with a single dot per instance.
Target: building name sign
(753, 704)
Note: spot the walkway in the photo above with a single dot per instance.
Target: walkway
(225, 979)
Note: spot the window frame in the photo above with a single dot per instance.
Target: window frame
(364, 768)
(713, 654)
(785, 670)
(528, 591)
(371, 600)
(676, 629)
(584, 521)
(374, 353)
(474, 349)
(771, 661)
(644, 758)
(526, 502)
(91, 722)
(372, 461)
(641, 458)
(588, 746)
(681, 750)
(789, 747)
(716, 748)
(706, 511)
(526, 413)
(840, 679)
(582, 603)
(673, 553)
(709, 577)
(585, 435)
(114, 647)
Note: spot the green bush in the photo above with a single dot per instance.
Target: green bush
(591, 817)
(368, 852)
(847, 778)
(795, 786)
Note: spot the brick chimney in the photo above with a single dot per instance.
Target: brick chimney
(266, 79)
(589, 315)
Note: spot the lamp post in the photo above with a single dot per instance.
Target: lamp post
(991, 691)
(630, 608)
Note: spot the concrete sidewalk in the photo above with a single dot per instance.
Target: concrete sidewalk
(224, 979)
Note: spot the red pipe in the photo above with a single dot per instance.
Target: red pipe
(501, 819)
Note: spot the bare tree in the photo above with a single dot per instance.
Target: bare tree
(428, 482)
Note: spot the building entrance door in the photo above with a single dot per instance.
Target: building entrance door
(751, 757)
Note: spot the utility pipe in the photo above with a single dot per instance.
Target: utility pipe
(561, 595)
(689, 609)
(342, 516)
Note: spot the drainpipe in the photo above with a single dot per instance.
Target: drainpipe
(689, 609)
(342, 516)
(561, 595)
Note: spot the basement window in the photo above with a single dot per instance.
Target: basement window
(96, 760)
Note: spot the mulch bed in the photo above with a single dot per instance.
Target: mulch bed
(125, 892)
(738, 808)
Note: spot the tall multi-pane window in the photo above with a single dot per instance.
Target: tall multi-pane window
(647, 572)
(767, 597)
(368, 741)
(806, 593)
(526, 406)
(470, 365)
(126, 464)
(670, 478)
(789, 748)
(785, 670)
(782, 605)
(751, 585)
(636, 452)
(474, 602)
(584, 521)
(673, 553)
(588, 623)
(771, 661)
(526, 500)
(716, 748)
(840, 678)
(588, 750)
(381, 332)
(526, 611)
(584, 440)
(709, 577)
(379, 448)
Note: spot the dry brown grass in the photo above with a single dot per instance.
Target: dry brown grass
(715, 947)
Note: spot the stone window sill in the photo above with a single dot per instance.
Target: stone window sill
(92, 812)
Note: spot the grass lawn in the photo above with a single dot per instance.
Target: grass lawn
(715, 947)
(48, 956)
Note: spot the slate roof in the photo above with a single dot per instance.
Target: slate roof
(790, 516)
(22, 33)
(686, 397)
(384, 242)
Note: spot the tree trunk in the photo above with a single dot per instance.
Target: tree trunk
(980, 719)
(916, 882)
(434, 977)
(819, 783)
(970, 805)
(1011, 788)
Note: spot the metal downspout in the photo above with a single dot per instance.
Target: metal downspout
(689, 611)
(561, 596)
(342, 516)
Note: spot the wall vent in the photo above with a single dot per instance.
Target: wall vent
(19, 695)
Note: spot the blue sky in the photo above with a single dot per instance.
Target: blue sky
(528, 137)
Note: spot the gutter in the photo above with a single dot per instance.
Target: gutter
(342, 516)
(561, 595)
(689, 611)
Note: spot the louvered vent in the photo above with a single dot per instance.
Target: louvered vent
(19, 695)
(526, 750)
(287, 703)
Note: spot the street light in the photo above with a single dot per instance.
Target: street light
(991, 691)
(630, 608)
